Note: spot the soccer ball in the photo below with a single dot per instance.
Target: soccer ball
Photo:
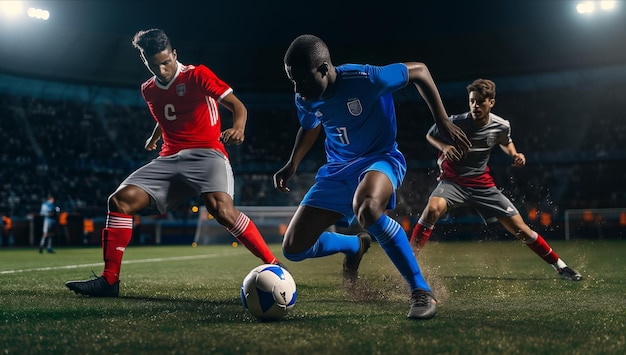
(268, 292)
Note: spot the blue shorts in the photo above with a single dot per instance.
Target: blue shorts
(336, 184)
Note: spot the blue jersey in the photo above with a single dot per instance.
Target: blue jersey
(359, 119)
(47, 211)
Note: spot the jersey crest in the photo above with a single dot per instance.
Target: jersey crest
(181, 89)
(354, 107)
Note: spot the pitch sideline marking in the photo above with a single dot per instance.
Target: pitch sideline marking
(139, 261)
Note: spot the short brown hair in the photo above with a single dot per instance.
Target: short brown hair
(485, 87)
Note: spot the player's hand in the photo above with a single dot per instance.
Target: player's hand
(232, 136)
(281, 177)
(150, 144)
(519, 160)
(455, 135)
(451, 153)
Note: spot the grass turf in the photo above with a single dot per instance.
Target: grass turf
(495, 297)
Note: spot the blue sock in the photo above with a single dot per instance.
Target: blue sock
(328, 243)
(392, 238)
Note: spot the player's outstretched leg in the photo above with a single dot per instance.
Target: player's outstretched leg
(246, 232)
(541, 248)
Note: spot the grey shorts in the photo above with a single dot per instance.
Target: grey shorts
(489, 202)
(173, 179)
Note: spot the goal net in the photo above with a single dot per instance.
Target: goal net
(595, 223)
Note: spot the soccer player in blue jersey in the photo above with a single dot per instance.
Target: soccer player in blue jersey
(49, 211)
(353, 104)
(465, 178)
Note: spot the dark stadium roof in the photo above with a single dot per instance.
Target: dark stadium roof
(244, 41)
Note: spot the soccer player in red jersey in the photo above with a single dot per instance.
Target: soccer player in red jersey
(465, 178)
(183, 99)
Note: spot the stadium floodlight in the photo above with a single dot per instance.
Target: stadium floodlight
(607, 5)
(585, 7)
(11, 8)
(39, 14)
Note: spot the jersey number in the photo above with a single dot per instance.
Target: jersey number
(343, 135)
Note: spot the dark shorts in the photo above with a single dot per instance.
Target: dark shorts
(173, 179)
(489, 202)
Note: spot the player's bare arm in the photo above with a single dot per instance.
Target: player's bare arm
(449, 151)
(304, 141)
(151, 142)
(519, 159)
(420, 76)
(236, 134)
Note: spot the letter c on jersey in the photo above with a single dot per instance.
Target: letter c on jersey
(169, 112)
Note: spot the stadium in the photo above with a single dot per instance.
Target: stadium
(74, 124)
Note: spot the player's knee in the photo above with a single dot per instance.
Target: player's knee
(433, 212)
(368, 212)
(117, 204)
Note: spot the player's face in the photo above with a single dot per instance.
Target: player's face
(479, 106)
(163, 64)
(309, 83)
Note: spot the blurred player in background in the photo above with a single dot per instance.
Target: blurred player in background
(50, 212)
(183, 99)
(353, 104)
(465, 178)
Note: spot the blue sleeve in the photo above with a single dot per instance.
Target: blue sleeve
(389, 78)
(307, 119)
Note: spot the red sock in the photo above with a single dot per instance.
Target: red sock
(246, 232)
(541, 248)
(420, 235)
(116, 236)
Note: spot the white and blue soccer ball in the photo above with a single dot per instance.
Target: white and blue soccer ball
(268, 292)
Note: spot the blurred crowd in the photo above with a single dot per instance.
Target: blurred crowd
(573, 139)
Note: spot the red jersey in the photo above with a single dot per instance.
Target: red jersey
(186, 108)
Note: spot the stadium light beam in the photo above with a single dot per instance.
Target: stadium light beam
(11, 8)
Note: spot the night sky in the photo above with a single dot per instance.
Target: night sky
(244, 41)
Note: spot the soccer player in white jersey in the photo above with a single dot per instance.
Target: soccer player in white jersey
(183, 100)
(465, 178)
(353, 104)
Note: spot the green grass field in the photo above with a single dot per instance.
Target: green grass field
(494, 298)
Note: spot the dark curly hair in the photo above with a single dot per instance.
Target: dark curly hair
(151, 41)
(307, 50)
